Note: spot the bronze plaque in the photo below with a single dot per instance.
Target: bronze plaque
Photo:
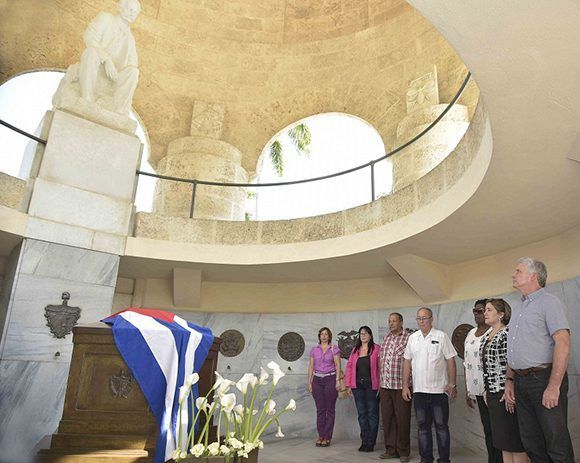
(62, 318)
(458, 338)
(233, 343)
(291, 346)
(346, 342)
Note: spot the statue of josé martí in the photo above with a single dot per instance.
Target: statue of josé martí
(108, 72)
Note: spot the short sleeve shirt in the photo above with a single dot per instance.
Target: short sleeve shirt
(391, 360)
(534, 321)
(472, 364)
(324, 361)
(428, 356)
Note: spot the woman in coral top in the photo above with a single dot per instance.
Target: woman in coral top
(362, 380)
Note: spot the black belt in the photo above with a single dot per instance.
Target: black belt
(527, 371)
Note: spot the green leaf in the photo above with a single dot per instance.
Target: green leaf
(301, 137)
(276, 157)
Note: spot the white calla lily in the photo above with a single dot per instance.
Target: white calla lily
(291, 405)
(270, 407)
(183, 393)
(227, 402)
(279, 432)
(239, 409)
(263, 376)
(201, 403)
(191, 380)
(277, 373)
(248, 379)
(224, 450)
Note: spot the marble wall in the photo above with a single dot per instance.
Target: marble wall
(33, 363)
(262, 331)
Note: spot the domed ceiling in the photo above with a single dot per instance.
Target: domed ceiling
(270, 62)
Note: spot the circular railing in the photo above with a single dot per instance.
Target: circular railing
(370, 164)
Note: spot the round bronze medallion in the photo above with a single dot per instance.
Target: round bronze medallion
(291, 346)
(233, 343)
(458, 338)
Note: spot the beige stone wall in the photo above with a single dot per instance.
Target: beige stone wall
(439, 182)
(12, 192)
(270, 62)
(468, 280)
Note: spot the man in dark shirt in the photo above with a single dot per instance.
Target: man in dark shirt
(538, 351)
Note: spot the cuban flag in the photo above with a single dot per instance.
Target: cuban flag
(161, 349)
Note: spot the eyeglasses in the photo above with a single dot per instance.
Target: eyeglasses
(422, 319)
(480, 310)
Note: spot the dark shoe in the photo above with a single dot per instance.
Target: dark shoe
(369, 448)
(389, 456)
(362, 448)
(319, 442)
(405, 459)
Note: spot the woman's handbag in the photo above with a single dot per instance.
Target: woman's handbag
(342, 391)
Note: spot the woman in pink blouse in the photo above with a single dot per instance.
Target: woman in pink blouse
(323, 383)
(362, 379)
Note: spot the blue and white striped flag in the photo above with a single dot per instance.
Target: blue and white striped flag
(161, 350)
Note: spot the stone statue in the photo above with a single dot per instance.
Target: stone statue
(107, 74)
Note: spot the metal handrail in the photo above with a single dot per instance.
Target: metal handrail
(22, 132)
(371, 164)
(322, 177)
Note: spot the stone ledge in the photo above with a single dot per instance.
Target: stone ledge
(386, 210)
(12, 192)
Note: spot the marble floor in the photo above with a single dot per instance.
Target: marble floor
(304, 451)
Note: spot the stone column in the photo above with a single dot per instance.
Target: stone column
(423, 108)
(79, 217)
(202, 155)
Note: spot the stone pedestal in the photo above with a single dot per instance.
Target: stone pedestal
(34, 362)
(83, 192)
(202, 156)
(83, 185)
(422, 156)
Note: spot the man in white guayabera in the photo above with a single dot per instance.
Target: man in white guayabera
(108, 70)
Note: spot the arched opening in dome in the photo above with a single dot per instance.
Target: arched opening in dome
(312, 147)
(24, 100)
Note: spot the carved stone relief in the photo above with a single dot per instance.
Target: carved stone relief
(423, 92)
(291, 346)
(121, 384)
(233, 343)
(207, 119)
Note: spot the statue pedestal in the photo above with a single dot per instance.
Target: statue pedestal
(106, 416)
(84, 186)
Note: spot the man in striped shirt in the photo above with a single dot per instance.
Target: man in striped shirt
(396, 412)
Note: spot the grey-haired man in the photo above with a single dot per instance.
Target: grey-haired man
(538, 352)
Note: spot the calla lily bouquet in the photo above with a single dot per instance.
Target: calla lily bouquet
(242, 423)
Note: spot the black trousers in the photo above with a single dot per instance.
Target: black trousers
(544, 432)
(493, 455)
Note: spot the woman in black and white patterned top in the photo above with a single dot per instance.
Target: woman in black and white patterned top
(493, 351)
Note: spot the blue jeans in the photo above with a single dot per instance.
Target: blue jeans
(544, 432)
(367, 406)
(431, 408)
